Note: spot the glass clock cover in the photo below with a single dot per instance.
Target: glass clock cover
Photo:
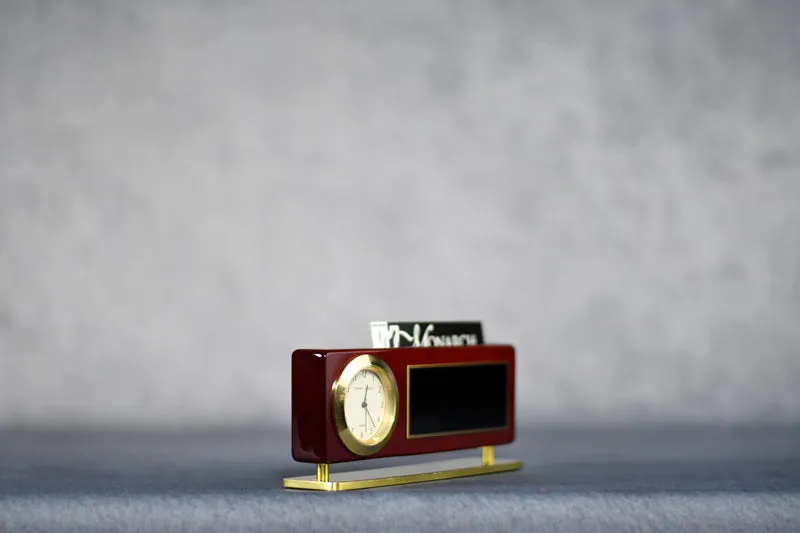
(364, 405)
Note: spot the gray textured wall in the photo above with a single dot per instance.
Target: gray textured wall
(190, 190)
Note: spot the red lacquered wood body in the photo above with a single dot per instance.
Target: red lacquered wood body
(314, 437)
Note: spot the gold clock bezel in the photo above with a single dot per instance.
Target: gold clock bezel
(386, 427)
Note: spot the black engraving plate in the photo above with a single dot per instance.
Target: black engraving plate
(456, 398)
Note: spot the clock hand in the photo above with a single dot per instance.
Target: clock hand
(365, 394)
(370, 418)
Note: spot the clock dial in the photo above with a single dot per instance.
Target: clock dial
(365, 405)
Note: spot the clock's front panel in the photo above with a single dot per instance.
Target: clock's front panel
(447, 398)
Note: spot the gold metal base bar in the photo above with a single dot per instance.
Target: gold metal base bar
(402, 475)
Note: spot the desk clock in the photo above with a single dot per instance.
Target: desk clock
(355, 404)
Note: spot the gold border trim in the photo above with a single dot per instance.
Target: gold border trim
(459, 431)
(387, 425)
(500, 465)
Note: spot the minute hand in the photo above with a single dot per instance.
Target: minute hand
(370, 418)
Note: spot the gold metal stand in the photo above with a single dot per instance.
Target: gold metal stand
(322, 473)
(487, 455)
(401, 475)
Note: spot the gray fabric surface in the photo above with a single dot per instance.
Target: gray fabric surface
(575, 479)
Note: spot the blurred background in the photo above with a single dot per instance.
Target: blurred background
(191, 190)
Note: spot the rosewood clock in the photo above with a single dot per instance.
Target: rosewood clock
(356, 404)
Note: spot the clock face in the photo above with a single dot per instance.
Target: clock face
(365, 405)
